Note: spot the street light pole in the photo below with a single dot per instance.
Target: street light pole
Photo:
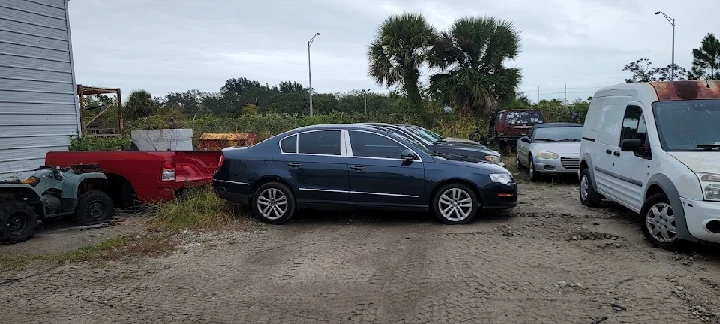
(672, 64)
(310, 90)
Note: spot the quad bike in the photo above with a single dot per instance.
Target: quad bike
(79, 191)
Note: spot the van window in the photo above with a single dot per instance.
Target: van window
(633, 125)
(523, 117)
(688, 125)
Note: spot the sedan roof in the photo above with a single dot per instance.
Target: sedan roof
(548, 125)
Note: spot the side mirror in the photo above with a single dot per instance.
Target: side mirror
(631, 145)
(408, 155)
(525, 139)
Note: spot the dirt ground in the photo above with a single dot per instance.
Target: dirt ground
(550, 260)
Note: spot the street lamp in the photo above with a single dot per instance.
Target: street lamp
(310, 90)
(365, 91)
(672, 64)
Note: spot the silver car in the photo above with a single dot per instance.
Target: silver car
(550, 149)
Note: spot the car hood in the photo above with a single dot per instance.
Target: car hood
(459, 140)
(562, 148)
(460, 160)
(699, 162)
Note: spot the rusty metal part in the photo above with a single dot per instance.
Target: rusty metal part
(83, 91)
(218, 141)
(687, 90)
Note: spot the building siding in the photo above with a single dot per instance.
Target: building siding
(38, 105)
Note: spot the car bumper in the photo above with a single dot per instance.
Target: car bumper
(698, 214)
(237, 192)
(499, 196)
(563, 165)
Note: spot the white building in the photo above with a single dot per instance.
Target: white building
(39, 109)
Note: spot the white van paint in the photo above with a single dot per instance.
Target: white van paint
(630, 178)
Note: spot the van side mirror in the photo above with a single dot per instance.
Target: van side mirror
(525, 139)
(632, 145)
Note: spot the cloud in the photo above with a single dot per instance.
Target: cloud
(165, 46)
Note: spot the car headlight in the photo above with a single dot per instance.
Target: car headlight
(710, 184)
(503, 178)
(493, 159)
(548, 155)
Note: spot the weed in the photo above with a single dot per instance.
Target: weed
(113, 249)
(200, 209)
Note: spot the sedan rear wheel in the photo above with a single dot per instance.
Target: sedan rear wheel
(456, 204)
(273, 203)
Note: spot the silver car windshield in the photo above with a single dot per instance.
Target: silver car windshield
(558, 134)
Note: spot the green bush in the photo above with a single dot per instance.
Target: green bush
(96, 143)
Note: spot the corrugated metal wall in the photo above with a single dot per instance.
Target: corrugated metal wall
(38, 105)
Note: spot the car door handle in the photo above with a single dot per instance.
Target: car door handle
(294, 164)
(616, 153)
(608, 151)
(358, 168)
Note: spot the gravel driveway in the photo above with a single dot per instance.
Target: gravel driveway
(550, 260)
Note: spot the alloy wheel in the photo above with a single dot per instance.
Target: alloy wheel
(455, 204)
(272, 203)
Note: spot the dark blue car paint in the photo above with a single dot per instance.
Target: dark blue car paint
(346, 181)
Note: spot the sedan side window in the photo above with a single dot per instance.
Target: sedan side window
(289, 144)
(320, 142)
(373, 145)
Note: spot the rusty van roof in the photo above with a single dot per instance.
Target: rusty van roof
(687, 90)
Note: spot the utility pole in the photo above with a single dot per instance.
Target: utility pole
(365, 97)
(310, 90)
(538, 94)
(672, 64)
(566, 94)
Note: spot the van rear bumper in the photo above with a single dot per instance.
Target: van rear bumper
(702, 218)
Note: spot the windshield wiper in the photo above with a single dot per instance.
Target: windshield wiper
(545, 140)
(569, 140)
(708, 147)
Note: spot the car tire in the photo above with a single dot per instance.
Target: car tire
(658, 223)
(268, 202)
(455, 203)
(517, 160)
(588, 196)
(532, 173)
(18, 221)
(94, 207)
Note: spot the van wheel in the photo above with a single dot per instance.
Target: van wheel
(588, 196)
(658, 223)
(273, 203)
(18, 221)
(94, 207)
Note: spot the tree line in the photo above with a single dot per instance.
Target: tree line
(705, 65)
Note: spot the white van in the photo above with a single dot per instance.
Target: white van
(655, 148)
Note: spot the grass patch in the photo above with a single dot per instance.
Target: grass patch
(200, 209)
(117, 248)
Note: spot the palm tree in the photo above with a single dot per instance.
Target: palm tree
(471, 57)
(706, 59)
(398, 52)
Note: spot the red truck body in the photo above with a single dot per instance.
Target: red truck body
(147, 177)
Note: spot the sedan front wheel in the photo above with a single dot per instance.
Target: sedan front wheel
(455, 204)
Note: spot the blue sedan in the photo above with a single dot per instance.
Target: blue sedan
(358, 166)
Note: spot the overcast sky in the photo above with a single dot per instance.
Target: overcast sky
(164, 46)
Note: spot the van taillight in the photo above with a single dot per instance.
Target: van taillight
(222, 160)
(168, 171)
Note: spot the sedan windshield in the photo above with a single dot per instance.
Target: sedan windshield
(426, 133)
(558, 134)
(688, 125)
(412, 140)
